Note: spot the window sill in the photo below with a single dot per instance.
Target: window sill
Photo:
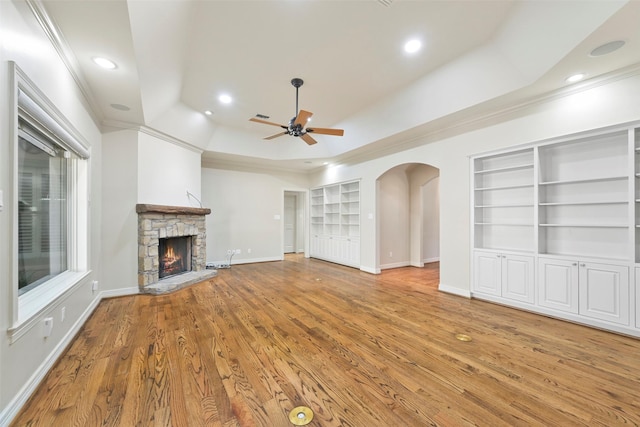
(32, 304)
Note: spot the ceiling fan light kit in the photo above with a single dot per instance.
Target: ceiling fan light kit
(296, 126)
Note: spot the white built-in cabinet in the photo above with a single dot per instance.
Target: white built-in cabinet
(507, 275)
(335, 223)
(556, 228)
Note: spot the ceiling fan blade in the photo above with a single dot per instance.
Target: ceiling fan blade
(308, 139)
(326, 131)
(276, 135)
(302, 118)
(264, 122)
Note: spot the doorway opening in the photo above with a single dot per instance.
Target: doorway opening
(293, 223)
(408, 206)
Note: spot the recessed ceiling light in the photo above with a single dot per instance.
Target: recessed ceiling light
(308, 162)
(412, 46)
(208, 112)
(575, 78)
(325, 163)
(105, 63)
(225, 99)
(607, 48)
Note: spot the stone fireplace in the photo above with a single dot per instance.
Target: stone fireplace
(171, 247)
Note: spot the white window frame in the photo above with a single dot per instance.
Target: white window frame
(27, 101)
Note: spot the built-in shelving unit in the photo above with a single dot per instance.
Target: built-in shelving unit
(504, 201)
(335, 223)
(584, 197)
(556, 228)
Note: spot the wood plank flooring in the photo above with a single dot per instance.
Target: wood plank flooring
(360, 350)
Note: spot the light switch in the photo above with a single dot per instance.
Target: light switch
(276, 217)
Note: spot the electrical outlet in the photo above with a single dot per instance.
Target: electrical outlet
(48, 326)
(94, 285)
(63, 313)
(249, 250)
(390, 254)
(238, 251)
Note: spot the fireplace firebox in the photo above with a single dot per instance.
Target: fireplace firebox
(174, 256)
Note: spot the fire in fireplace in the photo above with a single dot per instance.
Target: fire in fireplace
(174, 256)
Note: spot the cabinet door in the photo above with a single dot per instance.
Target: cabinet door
(314, 247)
(354, 251)
(558, 284)
(518, 278)
(637, 297)
(333, 248)
(604, 292)
(323, 246)
(487, 273)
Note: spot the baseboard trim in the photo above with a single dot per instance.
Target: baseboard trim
(395, 265)
(453, 290)
(429, 260)
(119, 292)
(255, 260)
(369, 270)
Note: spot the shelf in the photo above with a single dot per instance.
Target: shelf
(513, 251)
(517, 224)
(582, 257)
(523, 205)
(506, 169)
(504, 187)
(586, 225)
(617, 202)
(586, 180)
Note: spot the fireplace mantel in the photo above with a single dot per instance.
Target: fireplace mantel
(171, 210)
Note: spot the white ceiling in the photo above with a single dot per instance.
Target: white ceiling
(175, 57)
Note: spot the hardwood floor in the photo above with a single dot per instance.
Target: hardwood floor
(358, 349)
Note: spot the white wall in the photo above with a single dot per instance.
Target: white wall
(244, 206)
(166, 172)
(419, 175)
(393, 211)
(431, 220)
(119, 198)
(24, 362)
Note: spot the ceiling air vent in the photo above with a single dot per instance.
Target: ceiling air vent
(262, 116)
(385, 2)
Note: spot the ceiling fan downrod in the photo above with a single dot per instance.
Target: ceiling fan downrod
(297, 82)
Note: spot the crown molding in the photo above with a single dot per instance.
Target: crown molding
(152, 132)
(66, 55)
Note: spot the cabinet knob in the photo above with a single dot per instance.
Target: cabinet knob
(574, 264)
(582, 265)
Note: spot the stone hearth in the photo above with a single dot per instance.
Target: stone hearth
(156, 222)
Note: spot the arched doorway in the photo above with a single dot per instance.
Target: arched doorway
(408, 206)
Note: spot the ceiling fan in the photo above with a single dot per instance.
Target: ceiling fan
(296, 125)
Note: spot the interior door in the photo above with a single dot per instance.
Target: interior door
(289, 223)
